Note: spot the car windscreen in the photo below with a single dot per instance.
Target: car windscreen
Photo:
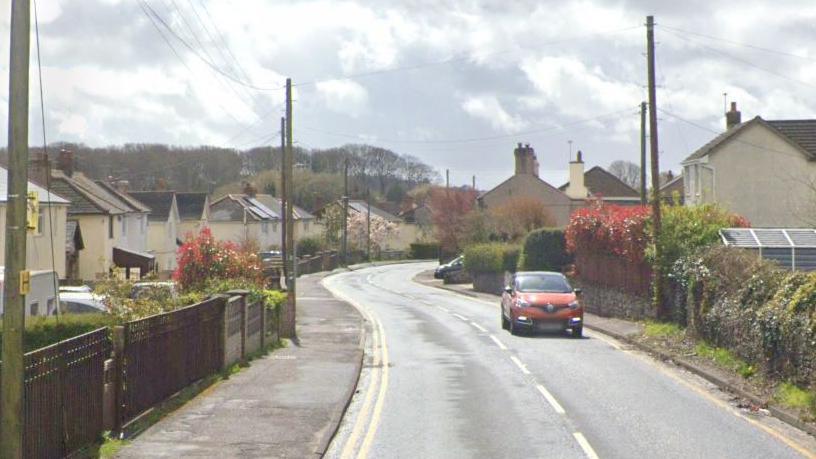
(549, 283)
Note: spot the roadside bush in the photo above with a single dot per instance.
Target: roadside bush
(544, 249)
(308, 246)
(44, 331)
(424, 250)
(491, 258)
(202, 258)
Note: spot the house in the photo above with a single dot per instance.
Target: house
(194, 212)
(560, 202)
(763, 170)
(242, 218)
(45, 247)
(422, 217)
(162, 227)
(113, 225)
(400, 240)
(672, 190)
(305, 224)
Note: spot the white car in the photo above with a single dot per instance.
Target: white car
(82, 303)
(75, 289)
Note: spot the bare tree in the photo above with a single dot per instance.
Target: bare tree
(627, 171)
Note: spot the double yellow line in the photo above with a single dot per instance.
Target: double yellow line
(368, 420)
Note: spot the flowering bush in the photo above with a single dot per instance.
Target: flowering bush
(609, 229)
(381, 229)
(202, 259)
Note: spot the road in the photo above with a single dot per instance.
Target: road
(443, 380)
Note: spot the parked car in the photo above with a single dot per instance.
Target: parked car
(82, 303)
(541, 301)
(455, 265)
(143, 289)
(75, 289)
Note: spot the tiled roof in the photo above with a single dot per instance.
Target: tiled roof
(800, 133)
(601, 182)
(191, 205)
(93, 198)
(275, 204)
(134, 204)
(360, 206)
(42, 193)
(233, 207)
(159, 202)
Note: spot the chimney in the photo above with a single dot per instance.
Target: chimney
(249, 190)
(65, 162)
(576, 188)
(733, 117)
(39, 168)
(122, 185)
(526, 162)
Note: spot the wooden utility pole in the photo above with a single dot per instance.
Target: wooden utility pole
(643, 197)
(284, 198)
(447, 178)
(344, 242)
(657, 271)
(289, 330)
(11, 398)
(368, 223)
(474, 182)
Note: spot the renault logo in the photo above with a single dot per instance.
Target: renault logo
(550, 308)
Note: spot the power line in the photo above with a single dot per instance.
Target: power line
(221, 37)
(736, 43)
(475, 139)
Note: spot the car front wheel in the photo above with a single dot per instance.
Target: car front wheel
(505, 323)
(578, 332)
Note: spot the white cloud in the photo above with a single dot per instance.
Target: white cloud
(343, 96)
(489, 109)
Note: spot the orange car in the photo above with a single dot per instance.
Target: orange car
(541, 301)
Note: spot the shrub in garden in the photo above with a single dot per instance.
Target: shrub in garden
(308, 246)
(424, 250)
(202, 259)
(544, 250)
(44, 331)
(491, 258)
(609, 229)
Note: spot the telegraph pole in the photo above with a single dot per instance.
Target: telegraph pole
(656, 223)
(289, 330)
(344, 242)
(284, 199)
(11, 398)
(643, 198)
(368, 223)
(474, 182)
(447, 178)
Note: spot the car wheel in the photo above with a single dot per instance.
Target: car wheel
(514, 328)
(578, 332)
(505, 323)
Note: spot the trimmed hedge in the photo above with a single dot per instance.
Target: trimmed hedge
(544, 249)
(491, 258)
(44, 331)
(424, 250)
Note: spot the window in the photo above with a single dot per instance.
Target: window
(265, 227)
(41, 221)
(305, 226)
(50, 307)
(110, 227)
(34, 309)
(143, 223)
(124, 226)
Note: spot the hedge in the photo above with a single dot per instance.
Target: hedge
(44, 331)
(544, 249)
(491, 258)
(424, 250)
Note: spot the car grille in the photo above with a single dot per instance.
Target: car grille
(551, 307)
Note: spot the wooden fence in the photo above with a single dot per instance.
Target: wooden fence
(167, 352)
(63, 399)
(614, 272)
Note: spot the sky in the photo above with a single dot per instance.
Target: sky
(456, 83)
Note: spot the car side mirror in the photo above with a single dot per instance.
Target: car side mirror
(577, 291)
(508, 290)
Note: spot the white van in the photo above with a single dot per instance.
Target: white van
(42, 300)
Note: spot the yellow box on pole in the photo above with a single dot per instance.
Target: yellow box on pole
(25, 282)
(33, 214)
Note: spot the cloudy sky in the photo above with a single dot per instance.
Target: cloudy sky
(454, 82)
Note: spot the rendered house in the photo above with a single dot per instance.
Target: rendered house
(50, 236)
(405, 234)
(764, 170)
(194, 213)
(562, 201)
(241, 218)
(113, 225)
(305, 225)
(162, 228)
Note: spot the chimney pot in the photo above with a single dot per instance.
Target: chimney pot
(733, 117)
(65, 162)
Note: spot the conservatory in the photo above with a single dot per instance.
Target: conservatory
(792, 248)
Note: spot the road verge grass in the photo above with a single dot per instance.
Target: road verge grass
(725, 358)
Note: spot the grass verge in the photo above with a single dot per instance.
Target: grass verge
(792, 396)
(663, 330)
(725, 358)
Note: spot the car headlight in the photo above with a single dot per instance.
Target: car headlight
(574, 305)
(522, 304)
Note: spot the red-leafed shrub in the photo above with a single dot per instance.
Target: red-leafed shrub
(609, 229)
(203, 259)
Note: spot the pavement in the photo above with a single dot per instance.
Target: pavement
(286, 404)
(444, 380)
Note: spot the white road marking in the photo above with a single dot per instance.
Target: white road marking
(553, 402)
(498, 343)
(478, 327)
(581, 439)
(460, 317)
(521, 366)
(444, 309)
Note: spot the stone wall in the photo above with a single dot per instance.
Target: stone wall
(608, 302)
